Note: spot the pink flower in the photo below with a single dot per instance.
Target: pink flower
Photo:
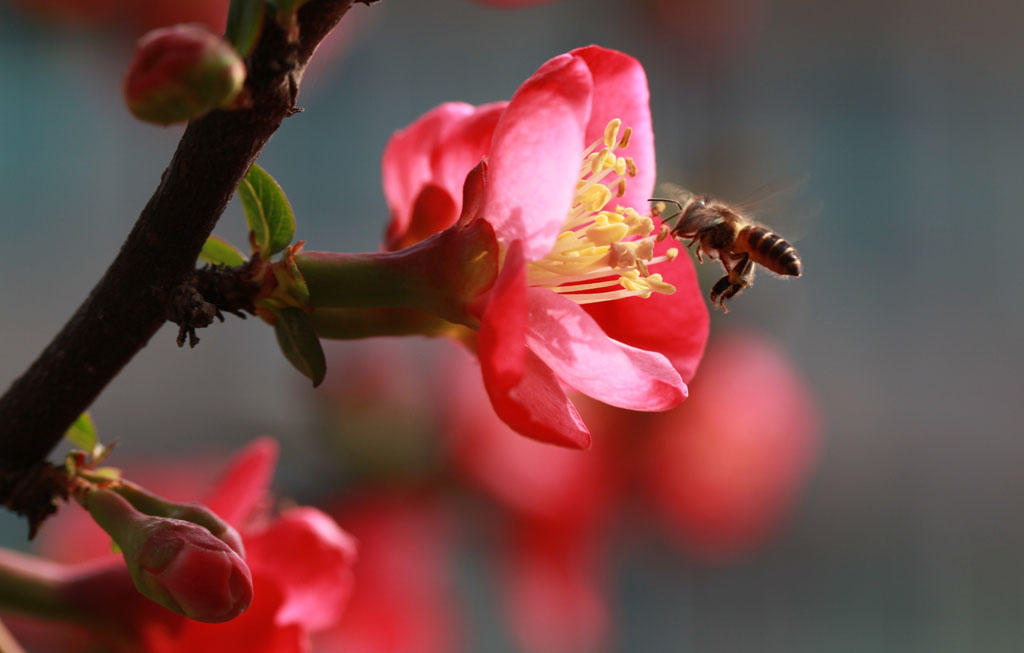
(556, 505)
(404, 599)
(585, 298)
(723, 469)
(554, 595)
(301, 565)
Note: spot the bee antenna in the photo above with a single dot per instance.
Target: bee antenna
(665, 199)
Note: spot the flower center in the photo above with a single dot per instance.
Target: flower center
(603, 254)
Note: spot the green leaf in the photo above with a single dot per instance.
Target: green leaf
(299, 343)
(267, 211)
(245, 20)
(218, 251)
(82, 433)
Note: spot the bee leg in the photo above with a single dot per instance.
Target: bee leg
(720, 291)
(742, 272)
(741, 276)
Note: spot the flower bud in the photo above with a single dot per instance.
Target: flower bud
(177, 564)
(152, 504)
(182, 72)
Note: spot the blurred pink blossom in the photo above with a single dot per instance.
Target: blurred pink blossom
(723, 469)
(301, 564)
(403, 599)
(719, 473)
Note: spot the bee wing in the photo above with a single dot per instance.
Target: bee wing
(773, 192)
(783, 206)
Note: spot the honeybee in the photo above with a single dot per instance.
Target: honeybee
(722, 232)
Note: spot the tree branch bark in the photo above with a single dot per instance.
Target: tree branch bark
(126, 307)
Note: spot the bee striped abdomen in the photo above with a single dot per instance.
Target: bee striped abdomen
(772, 251)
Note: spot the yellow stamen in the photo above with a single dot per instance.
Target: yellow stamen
(603, 254)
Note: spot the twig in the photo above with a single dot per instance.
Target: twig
(127, 306)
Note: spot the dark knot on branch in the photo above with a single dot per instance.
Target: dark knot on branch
(210, 292)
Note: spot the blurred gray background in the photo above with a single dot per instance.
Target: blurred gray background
(905, 115)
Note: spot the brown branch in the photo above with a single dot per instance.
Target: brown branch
(127, 306)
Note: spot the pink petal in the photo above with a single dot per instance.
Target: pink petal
(403, 600)
(255, 631)
(675, 325)
(573, 345)
(434, 210)
(463, 144)
(311, 559)
(501, 343)
(527, 477)
(245, 482)
(538, 407)
(439, 150)
(553, 593)
(535, 155)
(620, 91)
(524, 392)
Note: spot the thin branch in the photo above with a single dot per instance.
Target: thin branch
(127, 307)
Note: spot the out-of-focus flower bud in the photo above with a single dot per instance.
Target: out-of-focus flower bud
(197, 513)
(182, 72)
(177, 564)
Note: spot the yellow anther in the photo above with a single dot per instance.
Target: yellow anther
(672, 253)
(624, 141)
(630, 165)
(657, 285)
(608, 233)
(611, 132)
(643, 227)
(631, 281)
(600, 161)
(620, 166)
(595, 197)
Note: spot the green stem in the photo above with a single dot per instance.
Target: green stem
(443, 276)
(355, 323)
(370, 280)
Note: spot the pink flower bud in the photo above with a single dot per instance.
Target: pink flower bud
(182, 72)
(177, 564)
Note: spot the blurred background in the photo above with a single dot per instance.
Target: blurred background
(898, 529)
